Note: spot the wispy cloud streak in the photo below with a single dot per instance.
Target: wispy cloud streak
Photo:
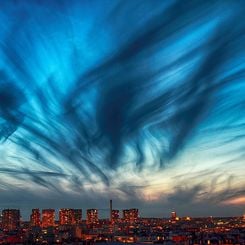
(81, 103)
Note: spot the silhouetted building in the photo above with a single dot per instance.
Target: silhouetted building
(35, 218)
(48, 217)
(131, 215)
(114, 216)
(11, 219)
(92, 216)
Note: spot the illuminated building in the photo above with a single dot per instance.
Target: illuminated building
(131, 215)
(11, 219)
(48, 217)
(67, 216)
(78, 215)
(92, 216)
(173, 215)
(35, 218)
(114, 216)
(126, 214)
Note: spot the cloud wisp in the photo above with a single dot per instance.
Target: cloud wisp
(81, 104)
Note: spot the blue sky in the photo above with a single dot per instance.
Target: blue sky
(136, 101)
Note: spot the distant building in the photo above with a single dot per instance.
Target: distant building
(35, 218)
(48, 217)
(173, 215)
(131, 215)
(11, 219)
(126, 214)
(92, 216)
(115, 216)
(78, 216)
(66, 216)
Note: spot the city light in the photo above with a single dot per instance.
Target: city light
(125, 226)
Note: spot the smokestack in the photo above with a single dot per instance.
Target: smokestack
(111, 211)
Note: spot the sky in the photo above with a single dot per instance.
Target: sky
(141, 102)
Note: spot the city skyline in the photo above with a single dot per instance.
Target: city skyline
(141, 102)
(66, 215)
(101, 213)
(44, 228)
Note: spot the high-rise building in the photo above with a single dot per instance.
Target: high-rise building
(114, 215)
(48, 217)
(11, 219)
(92, 216)
(66, 216)
(35, 218)
(131, 215)
(126, 214)
(78, 216)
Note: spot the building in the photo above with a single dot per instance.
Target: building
(48, 217)
(35, 218)
(131, 215)
(66, 216)
(114, 215)
(173, 215)
(78, 216)
(126, 214)
(69, 216)
(11, 219)
(92, 216)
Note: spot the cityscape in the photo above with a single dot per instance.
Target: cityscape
(122, 122)
(127, 226)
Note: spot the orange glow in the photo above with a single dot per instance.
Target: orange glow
(236, 201)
